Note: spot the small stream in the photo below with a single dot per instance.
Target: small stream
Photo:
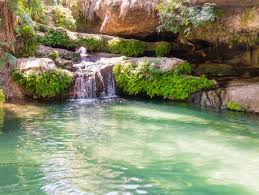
(114, 147)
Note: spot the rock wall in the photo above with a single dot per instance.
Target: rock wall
(124, 17)
(7, 25)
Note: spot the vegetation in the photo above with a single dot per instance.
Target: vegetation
(234, 106)
(91, 43)
(2, 97)
(179, 16)
(54, 55)
(63, 18)
(137, 79)
(58, 39)
(29, 40)
(131, 48)
(44, 85)
(163, 49)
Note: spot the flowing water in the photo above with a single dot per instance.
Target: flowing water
(126, 147)
(94, 77)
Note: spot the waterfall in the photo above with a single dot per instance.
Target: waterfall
(93, 79)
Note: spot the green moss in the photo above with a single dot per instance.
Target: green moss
(27, 36)
(234, 106)
(91, 43)
(44, 85)
(163, 49)
(146, 79)
(131, 48)
(63, 18)
(54, 55)
(2, 97)
(55, 38)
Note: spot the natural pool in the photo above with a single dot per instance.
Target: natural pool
(127, 147)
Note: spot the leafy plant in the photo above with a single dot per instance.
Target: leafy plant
(44, 85)
(2, 97)
(54, 55)
(29, 40)
(58, 39)
(63, 18)
(179, 16)
(134, 79)
(163, 49)
(91, 43)
(234, 106)
(131, 48)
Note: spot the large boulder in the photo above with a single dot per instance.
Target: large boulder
(243, 93)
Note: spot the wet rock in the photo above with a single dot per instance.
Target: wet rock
(45, 52)
(243, 92)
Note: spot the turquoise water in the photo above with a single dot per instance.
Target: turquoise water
(128, 147)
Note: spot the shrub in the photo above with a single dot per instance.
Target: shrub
(179, 16)
(182, 69)
(59, 39)
(54, 55)
(163, 49)
(131, 48)
(146, 79)
(28, 37)
(91, 43)
(2, 97)
(63, 18)
(234, 106)
(44, 85)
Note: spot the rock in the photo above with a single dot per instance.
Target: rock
(35, 64)
(243, 92)
(165, 64)
(127, 17)
(218, 70)
(45, 52)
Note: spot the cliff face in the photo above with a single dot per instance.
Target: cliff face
(124, 17)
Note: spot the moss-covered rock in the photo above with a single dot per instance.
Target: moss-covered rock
(146, 78)
(53, 83)
(40, 78)
(132, 48)
(162, 49)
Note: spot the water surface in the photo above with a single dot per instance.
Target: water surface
(133, 147)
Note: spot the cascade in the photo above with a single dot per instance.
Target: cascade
(93, 77)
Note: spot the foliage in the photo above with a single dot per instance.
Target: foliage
(91, 43)
(54, 55)
(28, 37)
(131, 48)
(179, 16)
(2, 97)
(7, 58)
(146, 79)
(63, 18)
(35, 9)
(182, 69)
(162, 49)
(234, 106)
(44, 85)
(55, 38)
